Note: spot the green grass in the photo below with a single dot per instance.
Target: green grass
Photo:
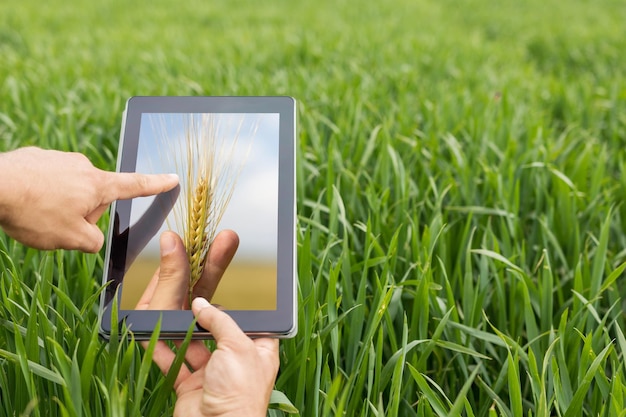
(461, 179)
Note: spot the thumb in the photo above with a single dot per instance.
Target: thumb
(173, 281)
(220, 324)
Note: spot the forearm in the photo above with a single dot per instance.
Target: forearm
(9, 188)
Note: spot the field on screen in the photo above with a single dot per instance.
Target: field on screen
(244, 286)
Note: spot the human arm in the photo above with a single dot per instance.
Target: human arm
(51, 199)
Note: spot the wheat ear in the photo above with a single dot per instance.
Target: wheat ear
(204, 158)
(197, 239)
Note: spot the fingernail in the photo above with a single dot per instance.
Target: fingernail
(167, 244)
(199, 303)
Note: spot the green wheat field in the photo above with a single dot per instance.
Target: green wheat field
(461, 198)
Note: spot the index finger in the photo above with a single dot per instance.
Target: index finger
(125, 185)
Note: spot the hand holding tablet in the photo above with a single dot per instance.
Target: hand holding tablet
(247, 170)
(239, 374)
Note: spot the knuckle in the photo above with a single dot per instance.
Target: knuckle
(80, 158)
(141, 182)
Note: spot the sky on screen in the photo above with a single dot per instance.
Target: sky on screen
(252, 211)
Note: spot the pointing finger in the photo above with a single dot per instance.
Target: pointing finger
(125, 185)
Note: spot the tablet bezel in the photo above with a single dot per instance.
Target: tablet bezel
(281, 322)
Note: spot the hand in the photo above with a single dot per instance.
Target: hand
(237, 378)
(51, 199)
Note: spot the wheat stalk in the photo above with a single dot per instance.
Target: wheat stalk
(205, 161)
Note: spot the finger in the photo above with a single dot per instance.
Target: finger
(267, 344)
(95, 215)
(89, 238)
(164, 357)
(197, 354)
(148, 293)
(125, 185)
(173, 280)
(220, 254)
(268, 351)
(220, 324)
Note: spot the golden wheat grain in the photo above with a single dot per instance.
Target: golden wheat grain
(196, 239)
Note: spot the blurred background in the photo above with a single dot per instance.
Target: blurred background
(460, 197)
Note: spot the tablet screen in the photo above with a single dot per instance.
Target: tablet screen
(238, 152)
(243, 159)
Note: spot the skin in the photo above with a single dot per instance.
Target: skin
(52, 200)
(237, 378)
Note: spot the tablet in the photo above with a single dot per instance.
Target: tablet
(241, 152)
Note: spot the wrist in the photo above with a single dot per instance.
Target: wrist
(14, 186)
